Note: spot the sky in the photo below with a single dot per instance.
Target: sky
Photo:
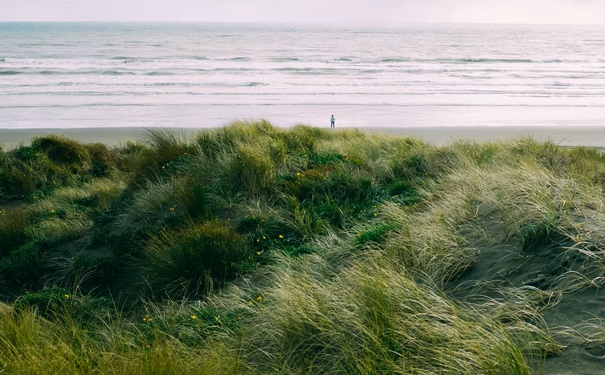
(310, 11)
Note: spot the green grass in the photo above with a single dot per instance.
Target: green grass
(252, 249)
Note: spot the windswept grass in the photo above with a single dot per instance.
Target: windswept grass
(252, 249)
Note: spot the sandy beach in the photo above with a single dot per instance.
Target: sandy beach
(589, 136)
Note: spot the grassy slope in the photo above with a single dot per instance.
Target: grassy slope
(255, 249)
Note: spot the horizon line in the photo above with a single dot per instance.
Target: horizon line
(325, 23)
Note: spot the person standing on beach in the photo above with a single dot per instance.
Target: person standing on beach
(332, 121)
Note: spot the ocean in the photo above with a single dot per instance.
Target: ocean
(72, 75)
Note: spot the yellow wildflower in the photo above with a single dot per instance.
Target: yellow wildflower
(67, 296)
(264, 237)
(194, 317)
(260, 298)
(150, 320)
(250, 303)
(258, 252)
(281, 236)
(239, 318)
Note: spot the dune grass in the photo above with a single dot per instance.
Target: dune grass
(252, 249)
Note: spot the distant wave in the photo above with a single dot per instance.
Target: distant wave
(514, 61)
(116, 73)
(476, 60)
(294, 69)
(343, 59)
(160, 74)
(255, 84)
(285, 59)
(227, 70)
(132, 60)
(394, 60)
(44, 44)
(239, 59)
(53, 72)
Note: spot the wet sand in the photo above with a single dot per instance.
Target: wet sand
(590, 136)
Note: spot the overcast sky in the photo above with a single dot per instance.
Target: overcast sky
(335, 11)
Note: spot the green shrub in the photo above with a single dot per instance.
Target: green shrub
(339, 186)
(195, 198)
(404, 192)
(430, 162)
(93, 272)
(374, 234)
(325, 158)
(539, 234)
(28, 170)
(62, 150)
(481, 153)
(216, 142)
(299, 250)
(24, 267)
(100, 159)
(46, 302)
(334, 213)
(12, 230)
(163, 149)
(250, 169)
(18, 179)
(195, 258)
(56, 302)
(304, 139)
(399, 187)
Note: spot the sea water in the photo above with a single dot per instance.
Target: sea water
(130, 74)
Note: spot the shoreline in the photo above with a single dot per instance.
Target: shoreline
(589, 136)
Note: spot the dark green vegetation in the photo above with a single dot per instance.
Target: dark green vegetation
(251, 249)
